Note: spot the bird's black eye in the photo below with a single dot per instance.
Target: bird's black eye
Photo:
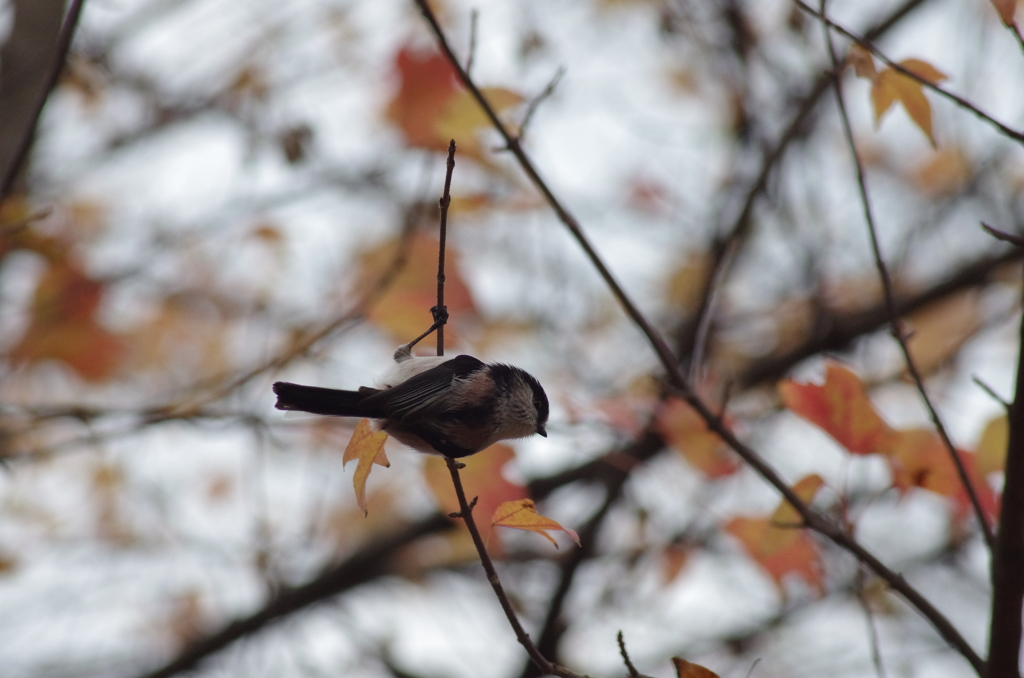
(536, 404)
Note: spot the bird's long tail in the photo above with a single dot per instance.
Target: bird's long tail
(317, 400)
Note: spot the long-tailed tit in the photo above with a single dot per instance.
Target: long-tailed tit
(439, 405)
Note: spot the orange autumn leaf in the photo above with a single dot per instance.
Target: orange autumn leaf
(890, 86)
(367, 446)
(403, 309)
(685, 669)
(778, 544)
(64, 326)
(521, 514)
(482, 478)
(685, 431)
(840, 407)
(919, 458)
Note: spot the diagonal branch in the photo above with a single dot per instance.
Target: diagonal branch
(24, 127)
(893, 311)
(811, 518)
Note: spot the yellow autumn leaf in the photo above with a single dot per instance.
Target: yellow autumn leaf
(890, 86)
(463, 117)
(521, 514)
(993, 445)
(367, 446)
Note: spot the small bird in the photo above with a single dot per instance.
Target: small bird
(439, 405)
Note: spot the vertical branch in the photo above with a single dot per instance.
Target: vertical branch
(1007, 574)
(890, 297)
(466, 508)
(439, 311)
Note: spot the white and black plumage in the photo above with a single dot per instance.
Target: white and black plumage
(451, 406)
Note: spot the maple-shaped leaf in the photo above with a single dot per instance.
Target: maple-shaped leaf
(1007, 10)
(367, 446)
(426, 84)
(919, 458)
(64, 326)
(403, 309)
(521, 514)
(685, 431)
(840, 407)
(778, 543)
(685, 669)
(482, 477)
(890, 86)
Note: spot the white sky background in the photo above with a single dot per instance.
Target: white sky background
(76, 606)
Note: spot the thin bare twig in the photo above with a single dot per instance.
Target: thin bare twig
(439, 311)
(813, 519)
(989, 390)
(466, 508)
(466, 511)
(893, 309)
(633, 673)
(474, 19)
(1015, 240)
(869, 616)
(958, 100)
(537, 100)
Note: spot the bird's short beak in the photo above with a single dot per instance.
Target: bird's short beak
(541, 430)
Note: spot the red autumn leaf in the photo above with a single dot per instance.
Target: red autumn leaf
(685, 431)
(521, 514)
(431, 107)
(685, 669)
(482, 478)
(426, 83)
(778, 544)
(367, 446)
(840, 407)
(64, 326)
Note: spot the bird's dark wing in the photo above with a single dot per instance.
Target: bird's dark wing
(417, 397)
